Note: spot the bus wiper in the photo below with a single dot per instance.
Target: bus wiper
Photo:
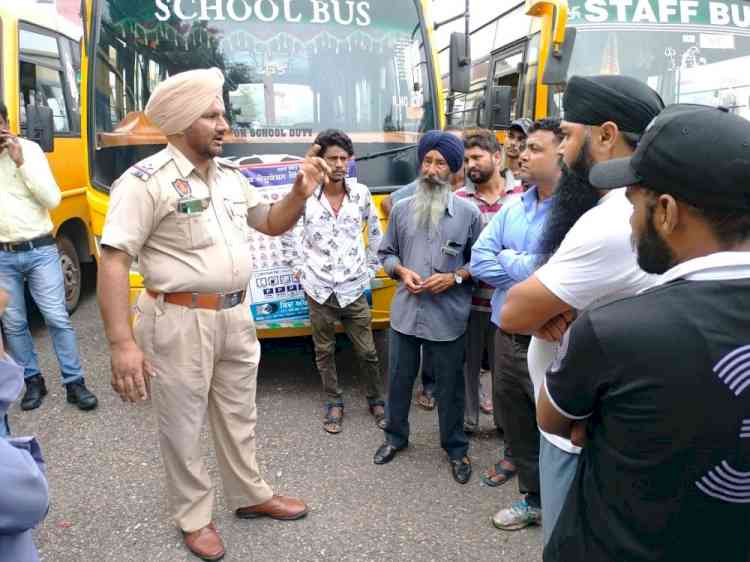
(386, 152)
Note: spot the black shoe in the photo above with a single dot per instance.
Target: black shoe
(385, 453)
(36, 390)
(81, 396)
(461, 469)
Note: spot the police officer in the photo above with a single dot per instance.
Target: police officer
(185, 215)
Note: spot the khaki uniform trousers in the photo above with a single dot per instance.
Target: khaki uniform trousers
(205, 361)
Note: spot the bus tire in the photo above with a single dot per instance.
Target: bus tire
(71, 269)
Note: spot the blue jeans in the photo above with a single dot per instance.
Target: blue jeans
(557, 469)
(41, 269)
(448, 368)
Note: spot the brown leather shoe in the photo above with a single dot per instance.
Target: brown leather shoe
(205, 543)
(278, 507)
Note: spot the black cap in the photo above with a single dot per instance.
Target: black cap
(698, 153)
(523, 124)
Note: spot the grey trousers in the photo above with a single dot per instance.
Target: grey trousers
(514, 392)
(480, 334)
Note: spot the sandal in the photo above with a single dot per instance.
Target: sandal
(378, 414)
(499, 474)
(485, 405)
(334, 415)
(425, 401)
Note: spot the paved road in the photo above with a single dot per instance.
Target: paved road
(107, 492)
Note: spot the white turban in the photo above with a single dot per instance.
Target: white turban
(177, 102)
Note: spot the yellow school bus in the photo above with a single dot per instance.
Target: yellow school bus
(688, 51)
(293, 68)
(40, 76)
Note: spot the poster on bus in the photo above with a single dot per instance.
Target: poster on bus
(277, 299)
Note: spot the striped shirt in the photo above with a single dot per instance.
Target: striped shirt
(482, 291)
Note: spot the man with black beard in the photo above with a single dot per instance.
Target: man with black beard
(662, 379)
(575, 196)
(427, 248)
(588, 238)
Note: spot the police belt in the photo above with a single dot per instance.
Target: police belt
(26, 245)
(209, 301)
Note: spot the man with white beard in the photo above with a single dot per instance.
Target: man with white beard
(427, 248)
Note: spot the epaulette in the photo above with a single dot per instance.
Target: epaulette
(147, 167)
(228, 163)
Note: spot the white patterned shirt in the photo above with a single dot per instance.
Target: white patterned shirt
(328, 251)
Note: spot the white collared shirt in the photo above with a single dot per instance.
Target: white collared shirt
(713, 267)
(27, 194)
(329, 252)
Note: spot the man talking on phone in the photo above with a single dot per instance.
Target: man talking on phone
(28, 192)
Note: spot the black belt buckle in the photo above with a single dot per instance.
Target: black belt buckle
(232, 299)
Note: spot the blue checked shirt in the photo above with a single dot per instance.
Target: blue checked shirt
(504, 253)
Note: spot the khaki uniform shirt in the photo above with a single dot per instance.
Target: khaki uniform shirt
(27, 194)
(204, 251)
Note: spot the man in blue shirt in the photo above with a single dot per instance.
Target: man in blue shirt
(503, 256)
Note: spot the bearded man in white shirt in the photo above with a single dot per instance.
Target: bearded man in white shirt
(587, 235)
(28, 254)
(335, 269)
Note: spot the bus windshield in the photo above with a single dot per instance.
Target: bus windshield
(292, 69)
(689, 52)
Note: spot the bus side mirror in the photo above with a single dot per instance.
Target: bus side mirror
(460, 63)
(498, 107)
(40, 126)
(556, 70)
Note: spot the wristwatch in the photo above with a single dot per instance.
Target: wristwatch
(457, 278)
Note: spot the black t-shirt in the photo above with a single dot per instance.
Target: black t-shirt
(664, 378)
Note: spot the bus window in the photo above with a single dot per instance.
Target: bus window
(286, 79)
(72, 83)
(505, 72)
(41, 77)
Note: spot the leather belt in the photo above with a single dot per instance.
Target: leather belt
(521, 339)
(209, 301)
(26, 245)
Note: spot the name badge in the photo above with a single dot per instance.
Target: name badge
(451, 248)
(192, 205)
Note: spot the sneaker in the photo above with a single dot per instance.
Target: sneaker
(518, 516)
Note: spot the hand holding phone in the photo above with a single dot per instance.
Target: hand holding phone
(9, 142)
